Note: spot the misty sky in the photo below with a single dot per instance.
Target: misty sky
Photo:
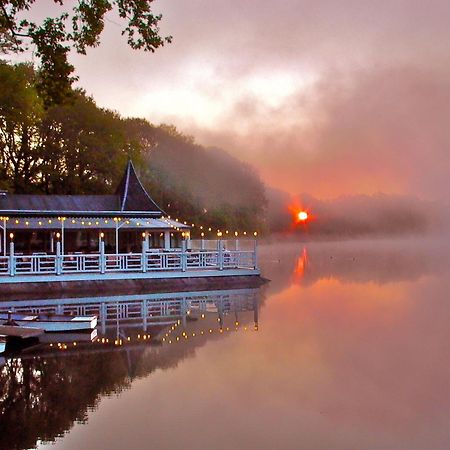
(325, 97)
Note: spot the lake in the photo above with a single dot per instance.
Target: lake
(347, 347)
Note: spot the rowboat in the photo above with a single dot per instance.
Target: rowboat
(2, 344)
(68, 337)
(50, 322)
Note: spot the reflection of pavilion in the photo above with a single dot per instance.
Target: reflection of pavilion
(79, 375)
(123, 317)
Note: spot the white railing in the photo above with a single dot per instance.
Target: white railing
(59, 264)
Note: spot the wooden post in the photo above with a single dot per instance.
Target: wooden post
(144, 314)
(103, 313)
(144, 256)
(4, 236)
(183, 311)
(12, 261)
(117, 237)
(166, 240)
(102, 256)
(58, 261)
(220, 254)
(62, 235)
(183, 256)
(147, 241)
(255, 254)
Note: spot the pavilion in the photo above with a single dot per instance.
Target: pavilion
(125, 222)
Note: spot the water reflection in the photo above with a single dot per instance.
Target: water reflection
(46, 389)
(380, 261)
(352, 353)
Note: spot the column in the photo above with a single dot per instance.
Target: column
(4, 236)
(117, 237)
(166, 240)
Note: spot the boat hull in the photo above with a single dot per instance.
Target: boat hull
(2, 345)
(53, 324)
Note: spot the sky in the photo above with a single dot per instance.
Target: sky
(326, 97)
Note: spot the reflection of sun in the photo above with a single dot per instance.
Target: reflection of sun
(300, 266)
(302, 216)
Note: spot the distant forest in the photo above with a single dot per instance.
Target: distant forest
(77, 147)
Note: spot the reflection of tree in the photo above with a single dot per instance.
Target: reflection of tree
(43, 396)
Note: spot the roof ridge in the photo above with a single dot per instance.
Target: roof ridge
(131, 187)
(127, 183)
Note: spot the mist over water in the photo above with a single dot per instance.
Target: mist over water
(351, 351)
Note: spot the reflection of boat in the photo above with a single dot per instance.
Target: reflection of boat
(68, 337)
(51, 322)
(208, 306)
(2, 343)
(211, 307)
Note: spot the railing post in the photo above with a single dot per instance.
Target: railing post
(102, 257)
(183, 256)
(12, 260)
(220, 254)
(237, 256)
(58, 261)
(255, 255)
(144, 256)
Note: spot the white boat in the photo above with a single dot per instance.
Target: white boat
(2, 343)
(50, 322)
(54, 338)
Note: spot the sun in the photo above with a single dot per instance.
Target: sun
(302, 216)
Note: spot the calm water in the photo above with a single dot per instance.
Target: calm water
(348, 347)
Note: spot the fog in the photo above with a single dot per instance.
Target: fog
(356, 216)
(326, 98)
(378, 131)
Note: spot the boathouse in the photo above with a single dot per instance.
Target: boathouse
(81, 223)
(121, 236)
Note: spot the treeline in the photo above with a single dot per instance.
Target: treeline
(78, 148)
(354, 216)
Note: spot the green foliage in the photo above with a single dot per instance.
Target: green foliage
(21, 113)
(78, 148)
(79, 27)
(83, 148)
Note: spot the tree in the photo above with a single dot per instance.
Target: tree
(79, 27)
(84, 148)
(20, 117)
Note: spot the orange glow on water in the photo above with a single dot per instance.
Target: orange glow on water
(300, 266)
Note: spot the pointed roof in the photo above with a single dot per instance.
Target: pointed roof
(131, 200)
(133, 196)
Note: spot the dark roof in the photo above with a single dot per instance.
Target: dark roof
(130, 200)
(133, 196)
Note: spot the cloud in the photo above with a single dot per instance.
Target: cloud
(322, 96)
(380, 130)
